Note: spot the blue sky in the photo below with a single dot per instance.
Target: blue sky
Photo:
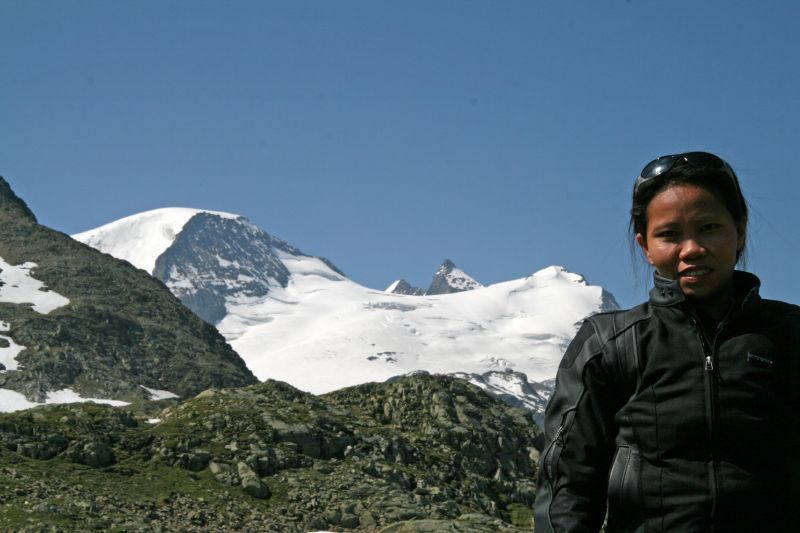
(388, 136)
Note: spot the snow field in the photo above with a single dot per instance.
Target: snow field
(11, 401)
(322, 335)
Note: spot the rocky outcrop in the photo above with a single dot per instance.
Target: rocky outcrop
(432, 450)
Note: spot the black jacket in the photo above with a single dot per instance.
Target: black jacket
(698, 433)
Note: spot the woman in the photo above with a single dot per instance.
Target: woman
(679, 414)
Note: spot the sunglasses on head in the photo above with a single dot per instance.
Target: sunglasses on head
(665, 163)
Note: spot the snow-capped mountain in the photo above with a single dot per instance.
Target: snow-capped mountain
(296, 318)
(449, 278)
(205, 257)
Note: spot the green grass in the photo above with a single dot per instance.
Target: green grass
(521, 515)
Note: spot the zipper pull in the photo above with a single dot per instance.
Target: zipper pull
(709, 363)
(558, 434)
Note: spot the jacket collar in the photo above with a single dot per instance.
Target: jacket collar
(746, 286)
(667, 292)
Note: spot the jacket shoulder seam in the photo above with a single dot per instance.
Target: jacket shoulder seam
(605, 334)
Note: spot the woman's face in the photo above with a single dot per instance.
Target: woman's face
(692, 237)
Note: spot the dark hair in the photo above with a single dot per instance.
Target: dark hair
(715, 181)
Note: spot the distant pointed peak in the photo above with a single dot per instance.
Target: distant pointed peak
(449, 278)
(447, 266)
(401, 286)
(9, 200)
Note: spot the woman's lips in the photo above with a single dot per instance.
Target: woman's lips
(694, 273)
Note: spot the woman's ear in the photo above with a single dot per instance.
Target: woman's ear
(642, 242)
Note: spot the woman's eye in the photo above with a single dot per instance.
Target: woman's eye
(710, 226)
(666, 234)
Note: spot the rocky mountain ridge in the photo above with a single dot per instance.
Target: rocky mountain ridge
(117, 333)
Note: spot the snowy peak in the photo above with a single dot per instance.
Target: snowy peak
(206, 258)
(401, 286)
(449, 278)
(141, 238)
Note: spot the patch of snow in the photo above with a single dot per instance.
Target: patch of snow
(153, 420)
(11, 401)
(458, 279)
(141, 238)
(224, 263)
(70, 396)
(19, 287)
(390, 289)
(8, 356)
(157, 394)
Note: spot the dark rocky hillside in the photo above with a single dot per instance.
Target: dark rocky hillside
(420, 454)
(121, 330)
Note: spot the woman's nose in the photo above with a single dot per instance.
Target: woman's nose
(692, 248)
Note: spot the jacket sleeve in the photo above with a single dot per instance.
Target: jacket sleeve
(579, 440)
(793, 425)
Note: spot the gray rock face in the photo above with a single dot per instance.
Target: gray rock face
(214, 259)
(449, 279)
(251, 483)
(404, 287)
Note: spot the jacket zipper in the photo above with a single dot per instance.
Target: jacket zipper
(548, 465)
(709, 351)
